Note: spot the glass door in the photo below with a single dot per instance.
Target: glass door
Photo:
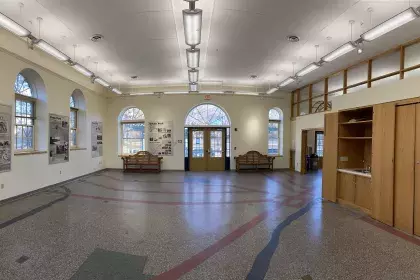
(217, 149)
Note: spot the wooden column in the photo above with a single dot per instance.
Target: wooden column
(326, 94)
(329, 177)
(310, 99)
(345, 81)
(402, 64)
(298, 104)
(291, 104)
(369, 83)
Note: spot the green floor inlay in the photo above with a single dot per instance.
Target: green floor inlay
(109, 265)
(307, 277)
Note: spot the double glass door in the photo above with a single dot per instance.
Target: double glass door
(207, 149)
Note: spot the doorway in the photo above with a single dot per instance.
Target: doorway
(312, 150)
(207, 149)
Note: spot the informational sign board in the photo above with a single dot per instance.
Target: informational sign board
(160, 138)
(5, 138)
(96, 139)
(59, 139)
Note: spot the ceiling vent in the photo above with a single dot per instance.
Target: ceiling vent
(293, 38)
(96, 38)
(134, 77)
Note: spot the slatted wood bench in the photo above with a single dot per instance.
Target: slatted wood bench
(253, 160)
(142, 162)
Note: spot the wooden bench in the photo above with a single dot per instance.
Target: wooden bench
(141, 162)
(253, 160)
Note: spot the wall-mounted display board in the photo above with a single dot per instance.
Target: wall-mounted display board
(160, 138)
(5, 138)
(96, 139)
(59, 139)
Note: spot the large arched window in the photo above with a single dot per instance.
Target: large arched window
(207, 115)
(275, 132)
(24, 114)
(132, 131)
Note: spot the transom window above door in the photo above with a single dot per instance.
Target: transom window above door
(207, 115)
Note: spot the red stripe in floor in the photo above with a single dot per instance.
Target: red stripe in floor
(172, 202)
(202, 256)
(391, 230)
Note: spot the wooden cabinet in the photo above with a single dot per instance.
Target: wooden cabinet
(329, 178)
(355, 190)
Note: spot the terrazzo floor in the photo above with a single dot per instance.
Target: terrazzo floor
(184, 225)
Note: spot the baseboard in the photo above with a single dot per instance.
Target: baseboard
(27, 194)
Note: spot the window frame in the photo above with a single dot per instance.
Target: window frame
(278, 122)
(75, 129)
(27, 99)
(137, 121)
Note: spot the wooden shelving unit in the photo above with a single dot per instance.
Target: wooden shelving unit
(356, 122)
(356, 138)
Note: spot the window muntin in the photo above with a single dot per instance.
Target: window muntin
(198, 144)
(207, 115)
(73, 127)
(216, 144)
(132, 131)
(24, 114)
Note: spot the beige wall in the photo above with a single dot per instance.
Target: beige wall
(31, 172)
(249, 114)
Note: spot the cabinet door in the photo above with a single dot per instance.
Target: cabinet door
(383, 162)
(329, 178)
(417, 175)
(404, 168)
(363, 197)
(346, 187)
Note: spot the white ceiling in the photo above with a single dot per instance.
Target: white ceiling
(239, 37)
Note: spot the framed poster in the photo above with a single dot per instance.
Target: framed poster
(59, 139)
(160, 138)
(96, 139)
(5, 138)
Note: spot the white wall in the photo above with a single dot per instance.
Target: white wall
(249, 114)
(31, 172)
(388, 92)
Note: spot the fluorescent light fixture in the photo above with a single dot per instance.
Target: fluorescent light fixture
(12, 26)
(142, 93)
(192, 26)
(391, 24)
(176, 92)
(272, 90)
(311, 67)
(247, 93)
(212, 92)
(101, 82)
(193, 75)
(83, 70)
(346, 48)
(286, 82)
(117, 91)
(51, 50)
(193, 87)
(193, 58)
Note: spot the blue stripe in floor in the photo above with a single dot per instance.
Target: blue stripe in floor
(262, 261)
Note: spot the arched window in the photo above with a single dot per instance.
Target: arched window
(77, 118)
(132, 131)
(207, 115)
(24, 114)
(275, 132)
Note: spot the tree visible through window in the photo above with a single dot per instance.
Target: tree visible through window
(24, 114)
(319, 142)
(275, 132)
(132, 131)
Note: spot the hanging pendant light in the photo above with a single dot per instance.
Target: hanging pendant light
(192, 26)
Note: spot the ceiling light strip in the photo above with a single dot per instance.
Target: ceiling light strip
(101, 82)
(342, 50)
(13, 26)
(51, 50)
(311, 67)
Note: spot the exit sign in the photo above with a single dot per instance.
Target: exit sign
(207, 97)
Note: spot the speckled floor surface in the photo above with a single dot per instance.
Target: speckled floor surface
(177, 225)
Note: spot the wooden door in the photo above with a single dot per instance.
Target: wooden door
(404, 168)
(216, 148)
(417, 175)
(383, 162)
(363, 195)
(197, 149)
(329, 178)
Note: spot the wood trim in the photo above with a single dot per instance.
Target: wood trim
(330, 159)
(414, 67)
(27, 153)
(292, 104)
(384, 76)
(369, 83)
(326, 94)
(417, 174)
(402, 62)
(304, 144)
(298, 106)
(310, 99)
(345, 81)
